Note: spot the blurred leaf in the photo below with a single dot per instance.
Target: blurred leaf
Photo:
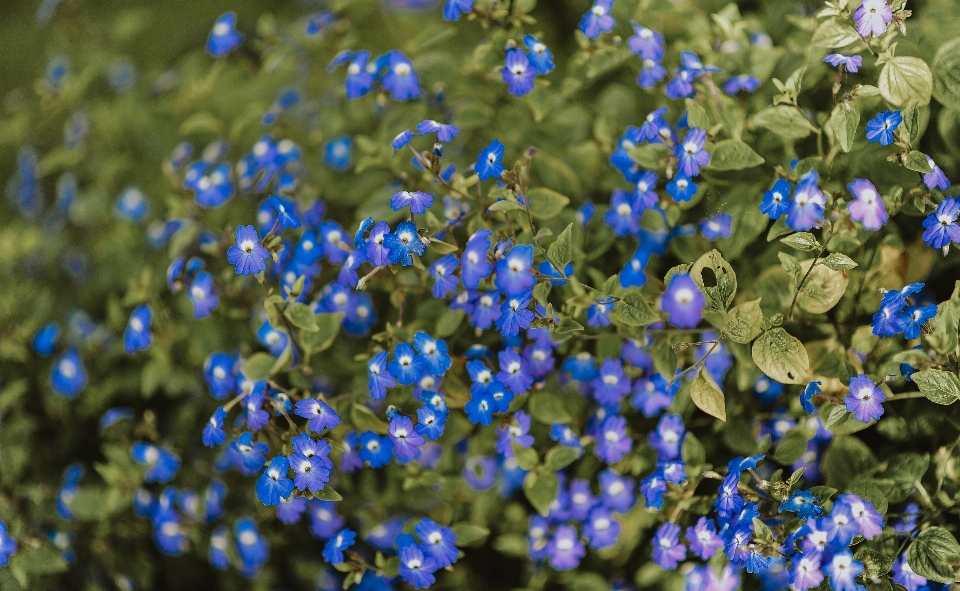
(541, 490)
(734, 155)
(257, 366)
(707, 396)
(468, 533)
(545, 203)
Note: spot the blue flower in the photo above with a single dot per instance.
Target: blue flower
(417, 201)
(274, 484)
(518, 72)
(941, 227)
(703, 538)
(219, 542)
(513, 271)
(598, 19)
(935, 179)
(651, 72)
(68, 376)
(359, 79)
(742, 82)
(286, 212)
(914, 319)
(223, 37)
(803, 503)
(806, 209)
(667, 549)
(668, 437)
(867, 206)
(852, 63)
(415, 569)
(806, 398)
(776, 201)
(379, 377)
(162, 465)
(310, 462)
(46, 338)
(333, 550)
(872, 18)
(613, 443)
(248, 254)
(452, 9)
(319, 413)
(480, 408)
(249, 454)
(437, 542)
(401, 80)
(843, 569)
(646, 43)
(442, 272)
(404, 243)
(434, 357)
(445, 132)
(515, 314)
(324, 521)
(375, 449)
(691, 154)
(539, 55)
(201, 292)
(488, 162)
(132, 204)
(718, 226)
(251, 546)
(681, 188)
(565, 550)
(881, 128)
(616, 492)
(213, 434)
(476, 267)
(865, 400)
(681, 86)
(683, 301)
(406, 440)
(403, 138)
(338, 152)
(257, 418)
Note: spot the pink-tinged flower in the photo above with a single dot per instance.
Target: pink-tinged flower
(868, 206)
(872, 17)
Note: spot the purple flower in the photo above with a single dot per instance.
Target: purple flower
(941, 226)
(683, 301)
(872, 18)
(806, 572)
(851, 62)
(565, 549)
(904, 575)
(690, 154)
(651, 73)
(717, 226)
(616, 492)
(519, 433)
(744, 82)
(880, 128)
(935, 179)
(518, 72)
(613, 442)
(598, 19)
(417, 201)
(601, 529)
(867, 207)
(842, 568)
(667, 549)
(703, 538)
(668, 437)
(806, 209)
(248, 254)
(610, 385)
(406, 440)
(865, 400)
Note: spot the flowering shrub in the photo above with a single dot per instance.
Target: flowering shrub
(485, 294)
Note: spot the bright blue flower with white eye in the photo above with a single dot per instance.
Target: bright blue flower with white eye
(914, 317)
(333, 550)
(162, 465)
(691, 154)
(132, 204)
(651, 72)
(683, 301)
(668, 437)
(681, 86)
(610, 384)
(480, 408)
(613, 443)
(616, 492)
(249, 455)
(843, 571)
(46, 338)
(803, 503)
(437, 542)
(359, 80)
(324, 521)
(223, 37)
(256, 417)
(248, 254)
(581, 367)
(806, 209)
(434, 358)
(452, 9)
(274, 484)
(213, 434)
(168, 535)
(515, 314)
(404, 243)
(219, 542)
(941, 227)
(513, 373)
(338, 152)
(406, 440)
(310, 462)
(880, 129)
(401, 80)
(598, 19)
(403, 138)
(488, 162)
(681, 188)
(416, 569)
(718, 226)
(218, 373)
(518, 72)
(852, 63)
(776, 201)
(445, 131)
(68, 376)
(585, 213)
(275, 341)
(513, 271)
(646, 43)
(430, 422)
(319, 413)
(251, 546)
(476, 267)
(379, 377)
(406, 366)
(442, 272)
(539, 55)
(865, 400)
(417, 201)
(935, 179)
(509, 434)
(743, 82)
(375, 449)
(643, 196)
(487, 310)
(287, 212)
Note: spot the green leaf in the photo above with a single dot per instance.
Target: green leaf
(790, 264)
(364, 419)
(45, 560)
(834, 34)
(875, 564)
(505, 205)
(935, 554)
(791, 447)
(697, 115)
(839, 262)
(823, 288)
(946, 73)
(734, 155)
(545, 203)
(541, 490)
(561, 251)
(910, 127)
(906, 78)
(743, 322)
(526, 457)
(707, 396)
(845, 459)
(560, 457)
(939, 386)
(905, 471)
(785, 121)
(441, 247)
(782, 357)
(834, 415)
(546, 407)
(327, 493)
(448, 323)
(567, 325)
(842, 125)
(468, 533)
(801, 241)
(257, 366)
(724, 286)
(633, 310)
(651, 156)
(328, 325)
(692, 452)
(302, 316)
(917, 162)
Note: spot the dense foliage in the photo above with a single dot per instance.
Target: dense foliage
(479, 294)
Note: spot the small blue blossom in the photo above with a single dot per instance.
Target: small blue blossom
(401, 80)
(319, 413)
(865, 400)
(213, 433)
(667, 549)
(518, 72)
(539, 55)
(851, 63)
(683, 301)
(132, 205)
(287, 213)
(248, 254)
(337, 153)
(743, 82)
(453, 9)
(417, 201)
(880, 129)
(223, 37)
(336, 544)
(718, 226)
(273, 484)
(488, 162)
(776, 201)
(445, 132)
(806, 208)
(68, 376)
(162, 465)
(404, 243)
(940, 227)
(46, 338)
(867, 206)
(598, 19)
